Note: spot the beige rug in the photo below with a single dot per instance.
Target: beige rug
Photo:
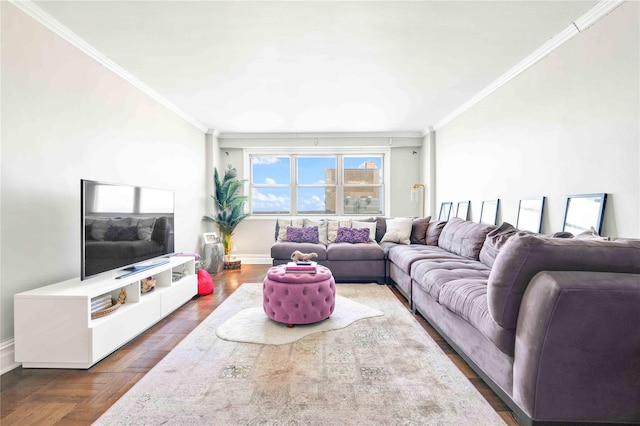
(252, 325)
(383, 370)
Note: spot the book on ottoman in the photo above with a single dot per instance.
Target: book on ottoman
(301, 268)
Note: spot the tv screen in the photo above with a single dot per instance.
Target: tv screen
(124, 227)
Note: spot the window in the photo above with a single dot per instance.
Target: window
(304, 184)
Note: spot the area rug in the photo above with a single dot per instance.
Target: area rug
(383, 370)
(252, 325)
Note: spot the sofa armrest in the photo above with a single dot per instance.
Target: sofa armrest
(523, 256)
(577, 350)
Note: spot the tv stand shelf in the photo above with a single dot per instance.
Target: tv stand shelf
(53, 324)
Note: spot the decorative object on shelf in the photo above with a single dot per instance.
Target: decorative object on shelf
(147, 285)
(414, 190)
(101, 302)
(229, 203)
(122, 297)
(298, 256)
(105, 311)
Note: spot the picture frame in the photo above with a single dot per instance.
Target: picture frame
(210, 238)
(530, 211)
(584, 211)
(445, 211)
(462, 210)
(489, 212)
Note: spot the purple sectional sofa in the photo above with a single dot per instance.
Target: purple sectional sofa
(551, 324)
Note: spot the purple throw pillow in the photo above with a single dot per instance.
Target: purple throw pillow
(352, 235)
(307, 234)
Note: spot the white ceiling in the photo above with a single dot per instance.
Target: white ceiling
(316, 66)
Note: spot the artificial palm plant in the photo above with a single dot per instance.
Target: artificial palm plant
(229, 203)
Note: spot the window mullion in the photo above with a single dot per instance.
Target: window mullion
(294, 185)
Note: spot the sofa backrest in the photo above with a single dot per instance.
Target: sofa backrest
(464, 238)
(523, 256)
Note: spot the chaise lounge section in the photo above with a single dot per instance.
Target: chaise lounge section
(551, 324)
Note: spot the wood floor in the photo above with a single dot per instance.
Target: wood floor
(79, 397)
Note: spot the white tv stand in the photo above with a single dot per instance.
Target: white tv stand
(53, 325)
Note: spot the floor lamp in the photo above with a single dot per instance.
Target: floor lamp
(413, 191)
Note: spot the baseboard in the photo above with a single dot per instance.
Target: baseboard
(7, 359)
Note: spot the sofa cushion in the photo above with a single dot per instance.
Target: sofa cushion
(463, 237)
(371, 226)
(433, 232)
(307, 234)
(404, 255)
(332, 228)
(467, 297)
(523, 256)
(284, 249)
(281, 227)
(346, 251)
(432, 274)
(419, 230)
(381, 225)
(494, 242)
(322, 228)
(398, 230)
(352, 235)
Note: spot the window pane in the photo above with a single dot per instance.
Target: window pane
(363, 200)
(270, 170)
(362, 170)
(271, 200)
(316, 201)
(114, 199)
(316, 170)
(156, 201)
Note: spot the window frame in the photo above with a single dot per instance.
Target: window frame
(339, 153)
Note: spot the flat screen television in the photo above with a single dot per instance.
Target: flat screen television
(124, 227)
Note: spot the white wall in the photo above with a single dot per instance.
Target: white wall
(66, 117)
(253, 237)
(568, 125)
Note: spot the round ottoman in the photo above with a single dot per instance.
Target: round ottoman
(298, 298)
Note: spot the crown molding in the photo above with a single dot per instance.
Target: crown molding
(28, 7)
(597, 12)
(323, 135)
(594, 14)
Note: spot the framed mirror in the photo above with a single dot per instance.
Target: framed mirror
(530, 212)
(445, 211)
(489, 212)
(462, 210)
(583, 211)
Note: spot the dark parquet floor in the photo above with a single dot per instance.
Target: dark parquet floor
(79, 397)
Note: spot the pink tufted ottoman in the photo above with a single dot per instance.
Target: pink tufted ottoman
(298, 298)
